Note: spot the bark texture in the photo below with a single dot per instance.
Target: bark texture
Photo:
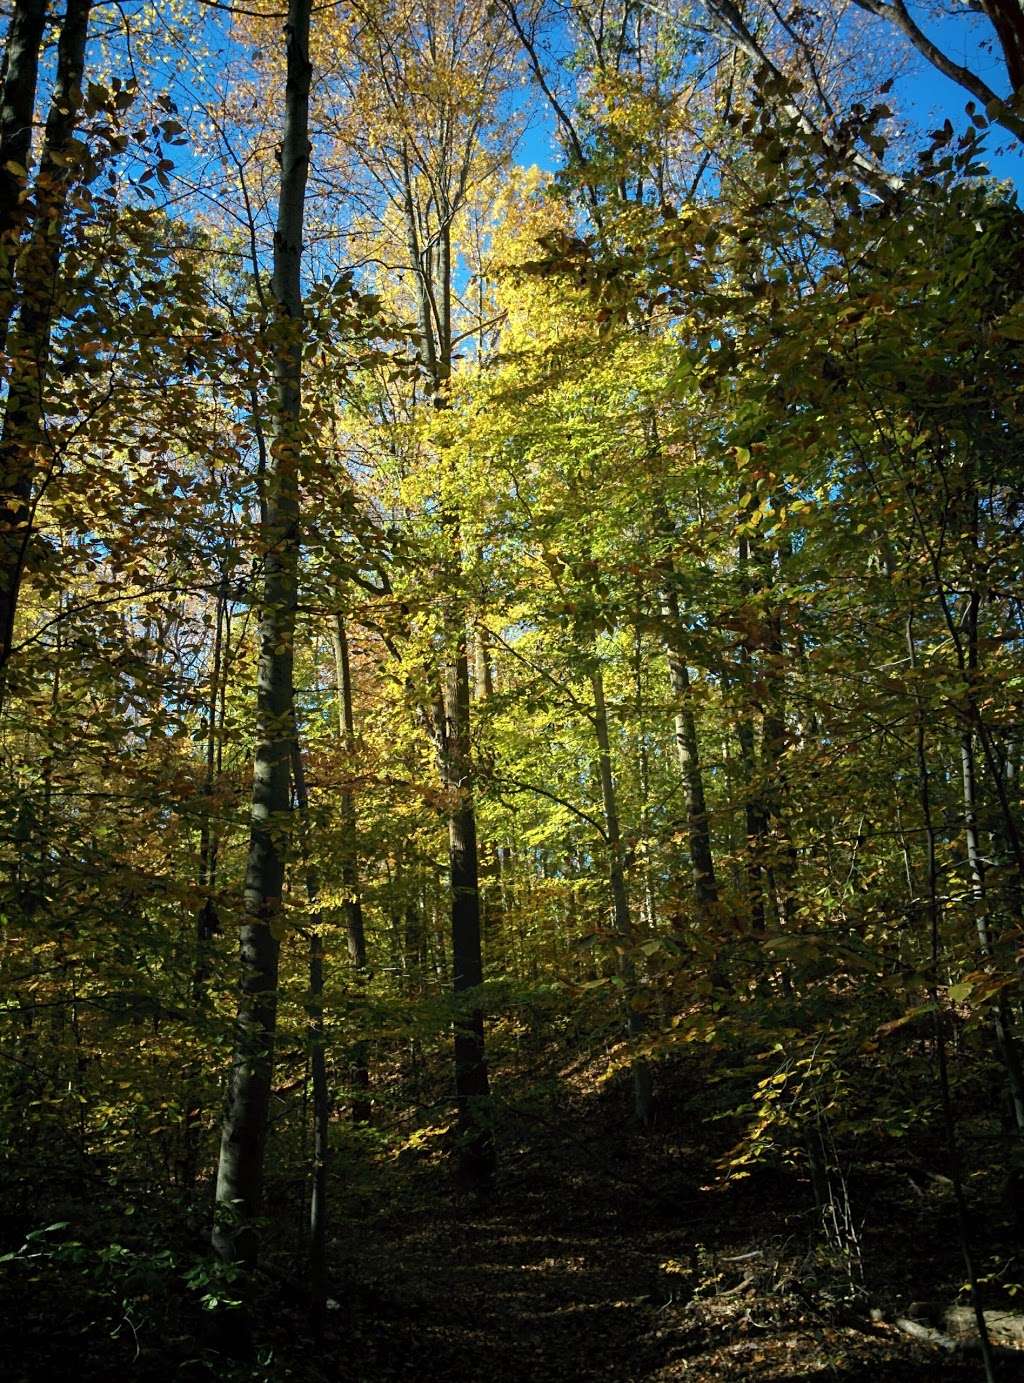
(243, 1138)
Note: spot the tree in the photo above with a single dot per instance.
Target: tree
(1007, 29)
(240, 1168)
(23, 440)
(449, 57)
(17, 108)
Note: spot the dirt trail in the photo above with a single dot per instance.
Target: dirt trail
(563, 1278)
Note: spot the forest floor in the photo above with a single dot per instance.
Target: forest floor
(606, 1254)
(610, 1255)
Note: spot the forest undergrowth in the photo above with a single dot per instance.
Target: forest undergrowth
(605, 1252)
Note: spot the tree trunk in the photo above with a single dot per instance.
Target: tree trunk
(240, 1172)
(23, 438)
(476, 1152)
(207, 921)
(642, 1085)
(782, 865)
(17, 107)
(207, 924)
(483, 672)
(1001, 1017)
(355, 930)
(754, 822)
(935, 948)
(317, 1060)
(753, 797)
(475, 1162)
(705, 885)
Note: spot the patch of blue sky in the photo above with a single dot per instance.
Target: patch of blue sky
(923, 97)
(926, 98)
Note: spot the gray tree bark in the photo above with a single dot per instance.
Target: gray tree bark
(243, 1138)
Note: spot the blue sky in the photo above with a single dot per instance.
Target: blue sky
(927, 97)
(924, 98)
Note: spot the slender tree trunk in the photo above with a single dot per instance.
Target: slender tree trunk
(642, 1084)
(783, 863)
(240, 1171)
(23, 439)
(687, 745)
(1013, 887)
(1002, 1021)
(648, 911)
(935, 939)
(754, 809)
(207, 923)
(355, 929)
(321, 1114)
(317, 1060)
(483, 671)
(476, 1155)
(476, 1160)
(482, 685)
(705, 885)
(17, 107)
(754, 819)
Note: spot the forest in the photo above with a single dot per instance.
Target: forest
(511, 690)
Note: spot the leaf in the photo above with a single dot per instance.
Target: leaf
(911, 1016)
(50, 1229)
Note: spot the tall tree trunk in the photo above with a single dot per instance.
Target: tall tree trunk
(240, 1171)
(355, 930)
(23, 438)
(317, 1059)
(753, 799)
(483, 671)
(207, 923)
(754, 821)
(476, 1160)
(489, 864)
(705, 885)
(1001, 1017)
(17, 107)
(321, 1145)
(687, 745)
(476, 1152)
(783, 861)
(1002, 1021)
(935, 948)
(642, 1084)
